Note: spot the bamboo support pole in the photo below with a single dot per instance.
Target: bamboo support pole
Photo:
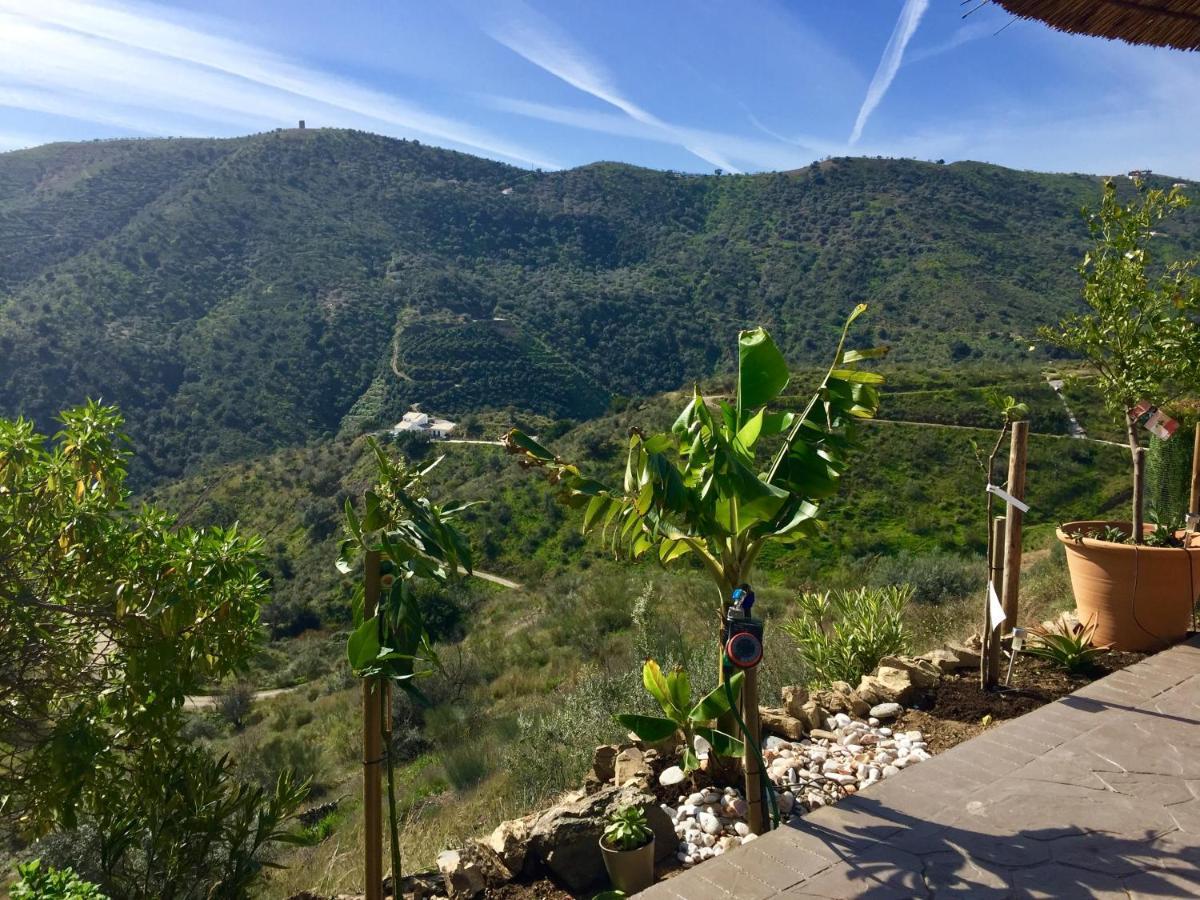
(372, 707)
(1194, 499)
(991, 645)
(1139, 496)
(756, 814)
(1017, 453)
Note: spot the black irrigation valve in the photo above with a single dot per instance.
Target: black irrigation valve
(742, 636)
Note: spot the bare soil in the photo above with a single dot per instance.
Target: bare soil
(958, 710)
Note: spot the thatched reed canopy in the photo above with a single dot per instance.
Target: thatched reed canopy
(1160, 23)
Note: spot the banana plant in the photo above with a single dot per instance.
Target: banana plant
(673, 692)
(416, 539)
(706, 489)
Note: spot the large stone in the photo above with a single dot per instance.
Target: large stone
(510, 842)
(630, 765)
(604, 762)
(886, 710)
(922, 673)
(811, 715)
(794, 697)
(968, 655)
(841, 698)
(887, 685)
(945, 661)
(777, 721)
(415, 886)
(469, 872)
(566, 837)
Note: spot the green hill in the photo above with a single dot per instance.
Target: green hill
(239, 296)
(912, 489)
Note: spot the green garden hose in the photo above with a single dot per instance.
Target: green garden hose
(767, 788)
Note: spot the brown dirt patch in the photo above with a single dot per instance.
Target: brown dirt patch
(958, 709)
(542, 889)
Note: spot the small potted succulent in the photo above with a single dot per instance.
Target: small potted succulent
(628, 850)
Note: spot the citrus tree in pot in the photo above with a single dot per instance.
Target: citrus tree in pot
(1141, 339)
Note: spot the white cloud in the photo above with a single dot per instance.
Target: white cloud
(536, 39)
(889, 63)
(963, 35)
(92, 57)
(781, 154)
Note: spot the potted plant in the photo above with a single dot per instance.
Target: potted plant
(1141, 339)
(627, 846)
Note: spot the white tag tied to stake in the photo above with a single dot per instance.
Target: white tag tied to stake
(995, 609)
(1008, 498)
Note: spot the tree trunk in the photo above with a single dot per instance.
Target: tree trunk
(1139, 477)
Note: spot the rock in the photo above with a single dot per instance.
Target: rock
(510, 842)
(886, 710)
(818, 734)
(811, 714)
(969, 651)
(709, 823)
(887, 685)
(794, 697)
(671, 776)
(468, 872)
(565, 838)
(945, 661)
(604, 762)
(777, 721)
(417, 886)
(630, 764)
(922, 673)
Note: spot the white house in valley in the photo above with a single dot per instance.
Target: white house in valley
(423, 423)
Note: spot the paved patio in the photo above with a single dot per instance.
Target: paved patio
(1095, 795)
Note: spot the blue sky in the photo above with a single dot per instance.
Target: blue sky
(742, 85)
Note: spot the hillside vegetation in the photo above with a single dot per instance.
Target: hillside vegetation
(239, 296)
(915, 488)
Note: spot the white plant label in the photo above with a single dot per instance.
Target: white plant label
(1008, 498)
(995, 609)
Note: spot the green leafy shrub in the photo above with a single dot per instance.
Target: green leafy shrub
(1067, 645)
(935, 577)
(842, 635)
(627, 829)
(681, 714)
(40, 882)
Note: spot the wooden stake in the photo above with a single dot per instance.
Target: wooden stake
(1194, 501)
(372, 699)
(1017, 452)
(756, 814)
(991, 645)
(1139, 496)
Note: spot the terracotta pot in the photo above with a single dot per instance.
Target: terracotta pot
(1140, 597)
(630, 871)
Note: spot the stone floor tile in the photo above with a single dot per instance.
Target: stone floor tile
(881, 872)
(736, 882)
(952, 873)
(1101, 853)
(1159, 883)
(1056, 881)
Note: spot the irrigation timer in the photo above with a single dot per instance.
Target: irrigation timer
(742, 635)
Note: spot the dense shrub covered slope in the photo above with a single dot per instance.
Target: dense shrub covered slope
(237, 296)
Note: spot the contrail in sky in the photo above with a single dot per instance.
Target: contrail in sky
(889, 63)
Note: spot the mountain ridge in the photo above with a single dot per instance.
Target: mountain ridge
(237, 295)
